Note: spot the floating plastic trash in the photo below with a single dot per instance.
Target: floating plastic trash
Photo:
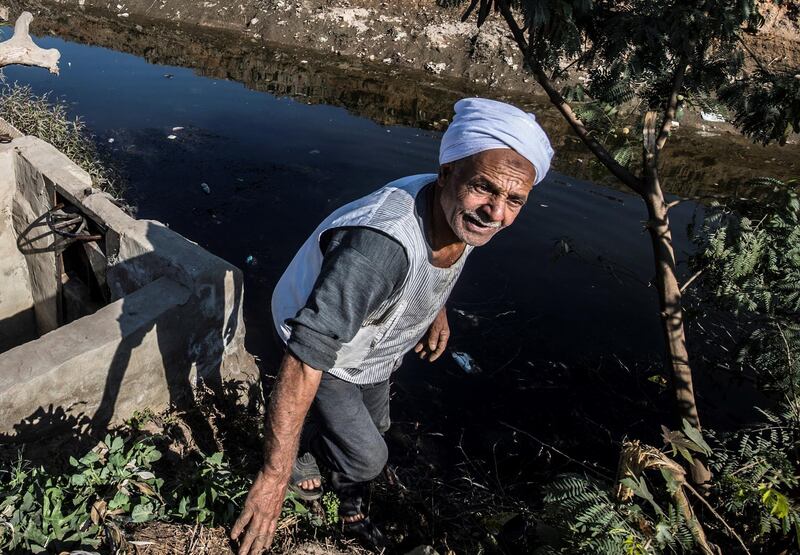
(206, 188)
(251, 260)
(712, 116)
(172, 137)
(466, 362)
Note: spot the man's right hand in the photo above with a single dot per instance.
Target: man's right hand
(262, 508)
(294, 389)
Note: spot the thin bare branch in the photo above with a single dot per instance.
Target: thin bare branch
(717, 515)
(600, 152)
(672, 103)
(605, 474)
(752, 54)
(689, 281)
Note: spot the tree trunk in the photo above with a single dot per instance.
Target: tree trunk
(649, 188)
(670, 299)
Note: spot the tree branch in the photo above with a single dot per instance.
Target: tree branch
(672, 103)
(20, 48)
(717, 515)
(689, 281)
(600, 152)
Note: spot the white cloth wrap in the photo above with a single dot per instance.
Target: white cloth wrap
(482, 124)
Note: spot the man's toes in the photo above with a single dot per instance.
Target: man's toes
(317, 482)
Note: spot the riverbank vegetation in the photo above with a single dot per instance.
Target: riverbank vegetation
(46, 118)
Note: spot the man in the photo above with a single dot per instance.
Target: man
(368, 286)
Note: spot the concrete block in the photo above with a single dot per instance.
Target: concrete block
(175, 316)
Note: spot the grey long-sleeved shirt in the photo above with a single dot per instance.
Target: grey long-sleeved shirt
(361, 268)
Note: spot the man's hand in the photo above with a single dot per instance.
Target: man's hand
(435, 341)
(261, 511)
(291, 397)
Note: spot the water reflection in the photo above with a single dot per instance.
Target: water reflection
(697, 162)
(565, 287)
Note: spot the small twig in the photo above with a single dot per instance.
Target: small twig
(556, 450)
(496, 472)
(194, 538)
(789, 358)
(689, 281)
(717, 515)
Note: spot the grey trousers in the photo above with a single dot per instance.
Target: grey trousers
(344, 432)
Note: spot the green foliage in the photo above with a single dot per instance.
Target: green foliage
(212, 494)
(751, 257)
(42, 512)
(116, 483)
(330, 502)
(38, 115)
(589, 521)
(757, 471)
(767, 105)
(633, 50)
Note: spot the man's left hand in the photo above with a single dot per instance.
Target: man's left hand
(434, 342)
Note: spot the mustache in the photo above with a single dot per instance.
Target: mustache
(480, 219)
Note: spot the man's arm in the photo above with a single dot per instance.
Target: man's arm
(360, 270)
(294, 390)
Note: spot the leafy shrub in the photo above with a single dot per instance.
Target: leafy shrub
(214, 494)
(41, 512)
(750, 253)
(757, 470)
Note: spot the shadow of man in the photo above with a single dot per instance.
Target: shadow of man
(193, 323)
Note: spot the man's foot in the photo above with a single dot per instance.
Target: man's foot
(360, 527)
(306, 480)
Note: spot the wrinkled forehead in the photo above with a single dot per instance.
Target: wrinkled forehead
(502, 163)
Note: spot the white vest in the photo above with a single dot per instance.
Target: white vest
(395, 327)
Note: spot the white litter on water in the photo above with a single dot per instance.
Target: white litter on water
(712, 116)
(172, 137)
(466, 362)
(111, 140)
(177, 128)
(315, 151)
(469, 317)
(206, 188)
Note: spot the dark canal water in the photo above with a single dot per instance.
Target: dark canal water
(527, 309)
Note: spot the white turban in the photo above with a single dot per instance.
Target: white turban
(481, 124)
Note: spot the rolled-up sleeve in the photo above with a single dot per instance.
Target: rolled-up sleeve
(361, 268)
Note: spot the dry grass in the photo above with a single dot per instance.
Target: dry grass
(40, 116)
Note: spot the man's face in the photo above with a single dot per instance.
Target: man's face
(483, 193)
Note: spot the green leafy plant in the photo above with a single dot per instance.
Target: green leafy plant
(757, 470)
(750, 254)
(213, 494)
(330, 502)
(43, 512)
